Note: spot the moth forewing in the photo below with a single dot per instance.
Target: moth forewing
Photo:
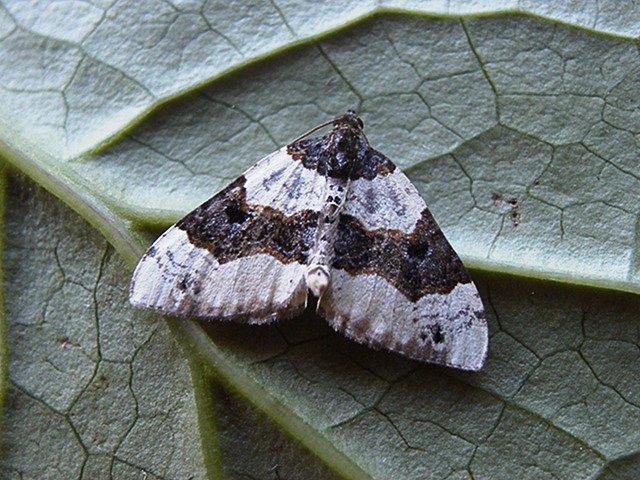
(233, 258)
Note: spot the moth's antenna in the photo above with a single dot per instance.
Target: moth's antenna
(317, 127)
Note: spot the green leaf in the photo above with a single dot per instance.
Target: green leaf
(95, 388)
(253, 447)
(521, 134)
(146, 53)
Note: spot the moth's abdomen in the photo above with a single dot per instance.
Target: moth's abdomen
(318, 274)
(317, 279)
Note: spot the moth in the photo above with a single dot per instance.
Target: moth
(331, 217)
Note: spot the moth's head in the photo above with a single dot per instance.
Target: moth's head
(349, 120)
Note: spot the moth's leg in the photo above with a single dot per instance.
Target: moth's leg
(318, 274)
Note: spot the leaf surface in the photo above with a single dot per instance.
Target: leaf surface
(521, 134)
(101, 385)
(558, 398)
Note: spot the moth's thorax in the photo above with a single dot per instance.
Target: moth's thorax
(338, 153)
(345, 148)
(342, 153)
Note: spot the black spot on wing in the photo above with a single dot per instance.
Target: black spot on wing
(372, 165)
(436, 333)
(230, 228)
(417, 263)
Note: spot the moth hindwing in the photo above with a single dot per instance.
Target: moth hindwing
(330, 217)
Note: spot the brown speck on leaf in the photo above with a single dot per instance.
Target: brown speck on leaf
(65, 342)
(514, 216)
(497, 199)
